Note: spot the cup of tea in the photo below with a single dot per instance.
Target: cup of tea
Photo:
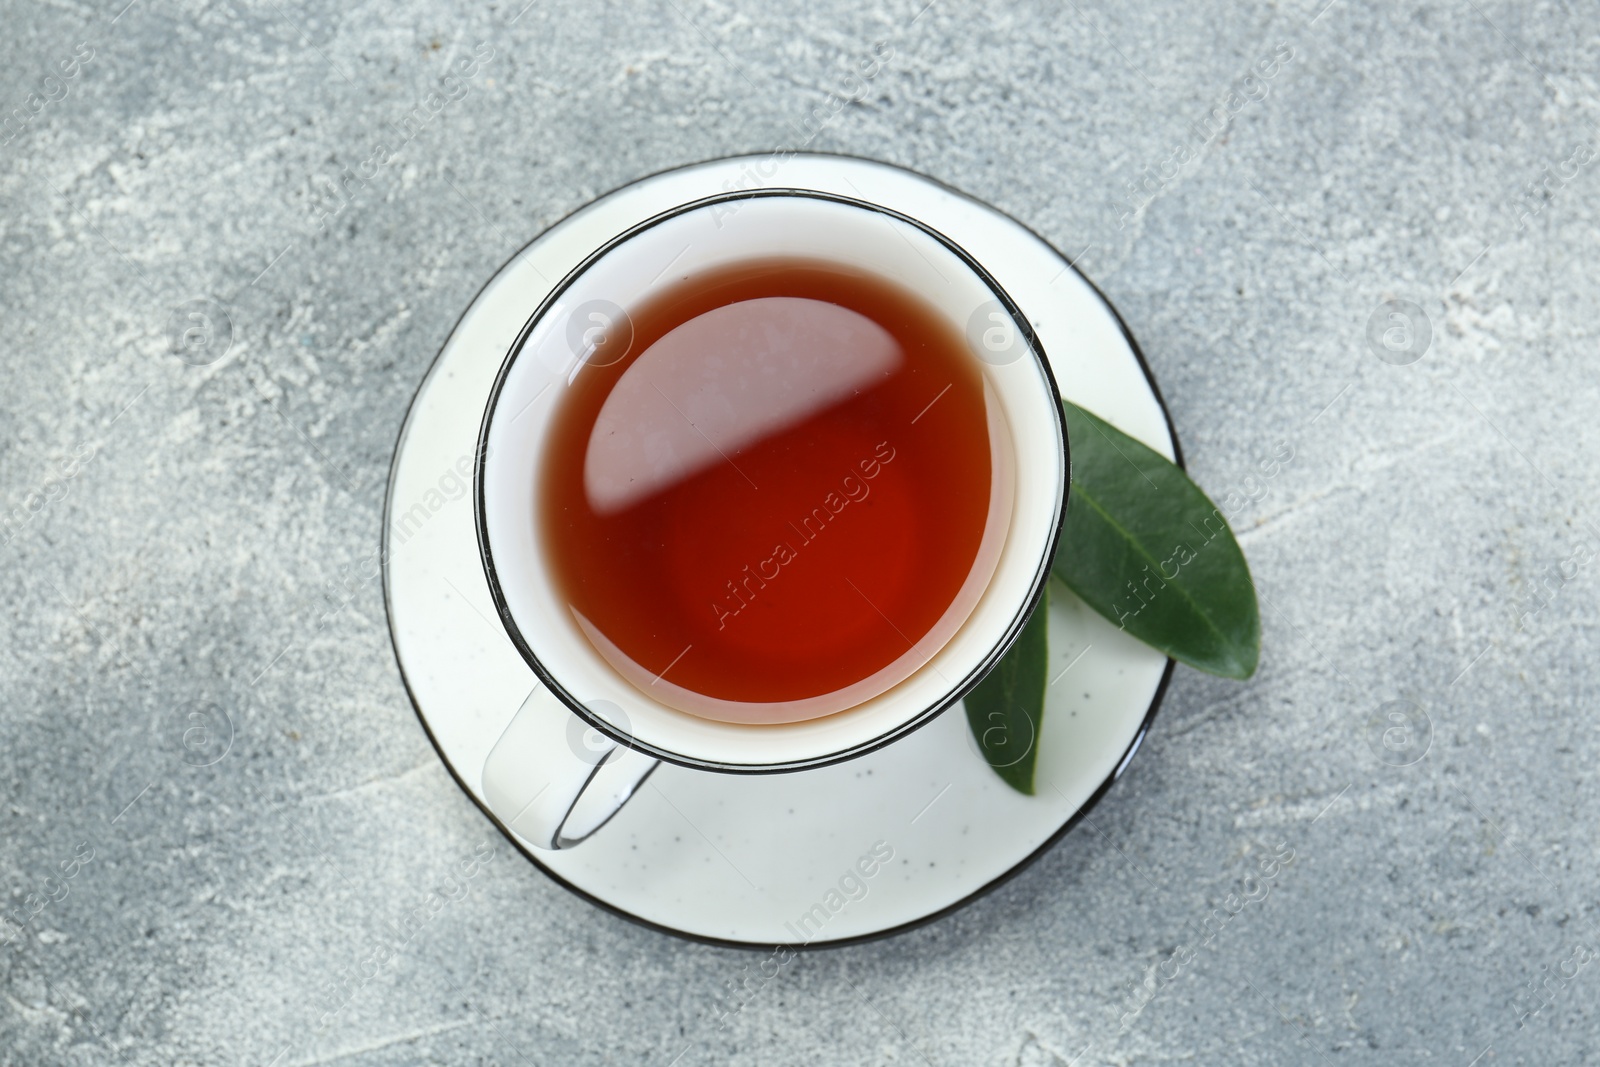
(765, 483)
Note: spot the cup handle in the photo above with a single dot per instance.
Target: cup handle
(544, 782)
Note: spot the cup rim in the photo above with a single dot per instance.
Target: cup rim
(905, 726)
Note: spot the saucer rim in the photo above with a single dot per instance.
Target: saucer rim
(845, 942)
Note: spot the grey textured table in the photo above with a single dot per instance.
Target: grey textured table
(1360, 235)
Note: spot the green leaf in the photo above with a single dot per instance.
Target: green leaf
(1005, 709)
(1143, 546)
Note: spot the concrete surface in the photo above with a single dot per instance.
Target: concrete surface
(220, 816)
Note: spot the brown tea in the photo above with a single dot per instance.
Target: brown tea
(779, 489)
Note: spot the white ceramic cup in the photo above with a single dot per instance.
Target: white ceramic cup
(589, 734)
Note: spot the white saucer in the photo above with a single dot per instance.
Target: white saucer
(741, 859)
